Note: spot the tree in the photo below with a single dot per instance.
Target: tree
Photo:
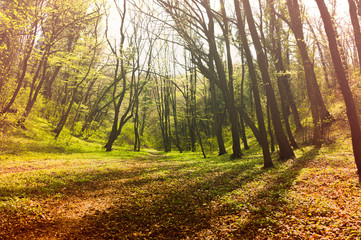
(9, 45)
(318, 108)
(343, 82)
(261, 133)
(282, 76)
(189, 24)
(126, 79)
(356, 27)
(285, 148)
(46, 24)
(162, 95)
(80, 78)
(120, 78)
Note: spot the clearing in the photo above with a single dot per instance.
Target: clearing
(153, 195)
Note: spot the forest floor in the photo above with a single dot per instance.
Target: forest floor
(152, 195)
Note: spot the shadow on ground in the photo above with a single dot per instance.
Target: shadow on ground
(181, 200)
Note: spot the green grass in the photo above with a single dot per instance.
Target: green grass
(74, 189)
(171, 195)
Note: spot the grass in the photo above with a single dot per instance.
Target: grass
(72, 189)
(153, 195)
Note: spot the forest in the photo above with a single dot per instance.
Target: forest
(180, 119)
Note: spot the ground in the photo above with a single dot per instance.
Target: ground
(153, 195)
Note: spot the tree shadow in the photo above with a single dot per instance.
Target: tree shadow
(181, 206)
(272, 197)
(176, 201)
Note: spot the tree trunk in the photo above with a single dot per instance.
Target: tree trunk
(161, 94)
(318, 108)
(216, 115)
(345, 88)
(251, 125)
(64, 117)
(175, 120)
(282, 76)
(191, 97)
(286, 151)
(243, 128)
(112, 137)
(254, 85)
(136, 128)
(356, 27)
(270, 130)
(223, 86)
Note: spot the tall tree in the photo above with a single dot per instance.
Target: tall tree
(243, 128)
(282, 76)
(261, 133)
(318, 108)
(121, 85)
(356, 27)
(9, 45)
(343, 82)
(188, 18)
(78, 81)
(226, 89)
(285, 147)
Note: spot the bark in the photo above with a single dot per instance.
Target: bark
(243, 128)
(318, 108)
(216, 111)
(343, 82)
(356, 27)
(254, 85)
(270, 130)
(136, 126)
(191, 103)
(223, 86)
(286, 151)
(175, 120)
(282, 76)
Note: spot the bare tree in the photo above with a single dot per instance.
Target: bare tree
(127, 86)
(190, 23)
